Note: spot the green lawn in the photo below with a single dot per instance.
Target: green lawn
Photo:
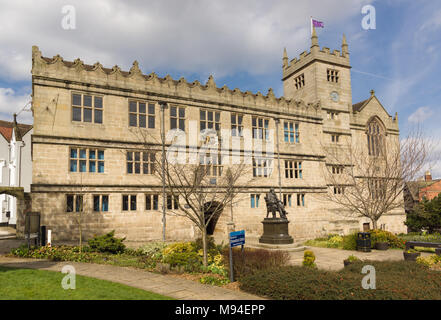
(28, 284)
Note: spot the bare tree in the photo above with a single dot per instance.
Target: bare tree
(368, 179)
(200, 182)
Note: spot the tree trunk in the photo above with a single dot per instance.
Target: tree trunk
(374, 224)
(204, 245)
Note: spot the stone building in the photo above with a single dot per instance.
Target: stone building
(86, 157)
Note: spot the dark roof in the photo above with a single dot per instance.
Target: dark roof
(358, 106)
(7, 126)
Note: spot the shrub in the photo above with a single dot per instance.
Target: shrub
(214, 280)
(429, 261)
(350, 241)
(308, 259)
(107, 243)
(386, 236)
(153, 250)
(253, 260)
(212, 248)
(181, 254)
(298, 283)
(352, 258)
(60, 253)
(335, 241)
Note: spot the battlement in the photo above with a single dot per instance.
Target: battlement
(56, 68)
(336, 57)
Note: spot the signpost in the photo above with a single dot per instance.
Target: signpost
(237, 238)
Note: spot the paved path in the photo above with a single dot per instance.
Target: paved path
(177, 288)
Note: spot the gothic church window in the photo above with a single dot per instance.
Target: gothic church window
(375, 138)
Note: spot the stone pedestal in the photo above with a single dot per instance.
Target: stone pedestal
(275, 231)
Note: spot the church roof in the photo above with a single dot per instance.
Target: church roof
(358, 106)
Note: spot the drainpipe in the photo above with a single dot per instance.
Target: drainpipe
(277, 120)
(163, 107)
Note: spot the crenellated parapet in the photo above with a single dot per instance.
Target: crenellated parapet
(57, 69)
(336, 57)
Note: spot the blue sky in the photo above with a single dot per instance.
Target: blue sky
(239, 42)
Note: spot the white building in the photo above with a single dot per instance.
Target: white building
(15, 165)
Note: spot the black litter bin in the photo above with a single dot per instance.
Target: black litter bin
(364, 242)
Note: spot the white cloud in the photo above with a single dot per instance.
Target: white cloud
(13, 102)
(192, 36)
(420, 115)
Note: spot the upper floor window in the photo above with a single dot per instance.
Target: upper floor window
(332, 75)
(291, 132)
(260, 128)
(337, 169)
(332, 115)
(210, 120)
(212, 164)
(338, 190)
(300, 81)
(293, 169)
(375, 137)
(86, 160)
(236, 125)
(177, 118)
(141, 115)
(261, 167)
(138, 162)
(335, 138)
(87, 108)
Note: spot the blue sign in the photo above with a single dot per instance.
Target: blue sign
(237, 238)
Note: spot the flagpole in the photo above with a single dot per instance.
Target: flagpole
(311, 25)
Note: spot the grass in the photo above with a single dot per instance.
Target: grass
(28, 284)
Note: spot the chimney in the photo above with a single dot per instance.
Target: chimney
(428, 176)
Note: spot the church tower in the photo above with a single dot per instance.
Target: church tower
(321, 75)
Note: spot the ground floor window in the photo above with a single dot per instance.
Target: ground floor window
(287, 200)
(301, 200)
(151, 202)
(100, 203)
(74, 203)
(255, 200)
(129, 202)
(172, 202)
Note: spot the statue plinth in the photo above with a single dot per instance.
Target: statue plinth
(275, 231)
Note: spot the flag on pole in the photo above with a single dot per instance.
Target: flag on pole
(317, 24)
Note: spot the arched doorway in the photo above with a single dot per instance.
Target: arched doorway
(212, 209)
(21, 203)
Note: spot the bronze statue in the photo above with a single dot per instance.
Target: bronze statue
(274, 205)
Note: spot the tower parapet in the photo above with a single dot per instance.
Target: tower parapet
(336, 57)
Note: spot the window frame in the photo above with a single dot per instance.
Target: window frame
(138, 114)
(93, 108)
(178, 117)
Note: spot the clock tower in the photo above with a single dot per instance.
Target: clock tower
(321, 76)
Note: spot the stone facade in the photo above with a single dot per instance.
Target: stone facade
(56, 134)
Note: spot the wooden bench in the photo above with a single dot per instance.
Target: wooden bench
(413, 244)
